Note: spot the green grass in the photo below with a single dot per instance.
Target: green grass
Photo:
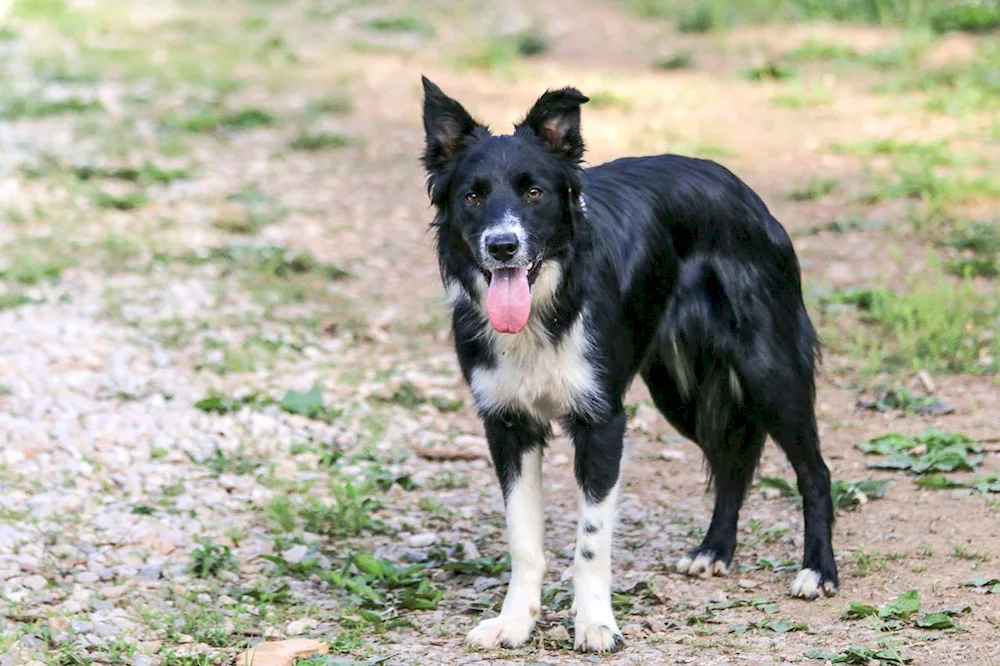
(957, 88)
(499, 54)
(814, 189)
(210, 559)
(674, 61)
(400, 24)
(770, 70)
(603, 99)
(214, 118)
(34, 264)
(316, 141)
(704, 15)
(932, 323)
(804, 99)
(13, 107)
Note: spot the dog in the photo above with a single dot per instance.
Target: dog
(565, 283)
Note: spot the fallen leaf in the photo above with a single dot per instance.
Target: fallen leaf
(281, 653)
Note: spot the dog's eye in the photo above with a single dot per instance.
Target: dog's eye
(534, 193)
(472, 198)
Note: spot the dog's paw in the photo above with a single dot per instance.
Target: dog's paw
(597, 637)
(810, 584)
(508, 631)
(703, 564)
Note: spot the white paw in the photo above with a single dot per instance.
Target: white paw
(597, 637)
(703, 566)
(503, 631)
(807, 585)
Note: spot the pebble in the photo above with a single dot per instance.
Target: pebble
(34, 582)
(298, 627)
(558, 634)
(633, 630)
(422, 540)
(672, 455)
(295, 554)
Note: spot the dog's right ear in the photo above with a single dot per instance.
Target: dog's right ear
(447, 125)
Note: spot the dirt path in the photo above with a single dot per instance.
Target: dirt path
(171, 491)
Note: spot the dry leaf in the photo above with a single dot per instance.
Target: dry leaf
(281, 653)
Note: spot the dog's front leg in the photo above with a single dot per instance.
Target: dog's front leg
(599, 448)
(516, 448)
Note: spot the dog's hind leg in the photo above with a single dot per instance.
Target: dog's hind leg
(598, 462)
(797, 436)
(516, 449)
(732, 452)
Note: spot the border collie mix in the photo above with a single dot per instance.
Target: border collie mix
(566, 283)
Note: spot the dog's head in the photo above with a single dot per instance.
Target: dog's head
(505, 203)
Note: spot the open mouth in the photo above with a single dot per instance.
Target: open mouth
(508, 300)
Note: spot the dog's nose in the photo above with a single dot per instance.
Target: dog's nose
(502, 246)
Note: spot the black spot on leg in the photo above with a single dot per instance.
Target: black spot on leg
(587, 554)
(591, 528)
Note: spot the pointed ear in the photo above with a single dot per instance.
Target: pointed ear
(555, 119)
(447, 125)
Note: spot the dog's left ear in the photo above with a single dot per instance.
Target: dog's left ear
(555, 119)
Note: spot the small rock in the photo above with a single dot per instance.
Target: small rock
(299, 627)
(150, 572)
(747, 584)
(717, 597)
(58, 623)
(483, 583)
(633, 630)
(295, 554)
(469, 549)
(87, 578)
(672, 455)
(114, 591)
(141, 660)
(34, 582)
(656, 625)
(558, 634)
(422, 540)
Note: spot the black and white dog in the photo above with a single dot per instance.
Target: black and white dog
(565, 284)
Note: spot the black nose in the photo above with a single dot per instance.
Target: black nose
(502, 246)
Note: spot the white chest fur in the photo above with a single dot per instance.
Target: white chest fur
(536, 376)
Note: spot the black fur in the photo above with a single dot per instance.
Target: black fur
(687, 280)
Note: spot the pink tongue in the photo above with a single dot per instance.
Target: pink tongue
(508, 301)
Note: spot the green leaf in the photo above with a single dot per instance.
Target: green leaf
(785, 487)
(306, 403)
(858, 609)
(981, 582)
(939, 482)
(902, 606)
(935, 621)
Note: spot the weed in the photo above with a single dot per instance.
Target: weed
(220, 404)
(602, 99)
(31, 265)
(210, 559)
(935, 324)
(769, 70)
(864, 562)
(977, 237)
(13, 300)
(349, 512)
(845, 494)
(498, 54)
(979, 17)
(673, 61)
(814, 97)
(906, 402)
(379, 584)
(962, 552)
(124, 202)
(699, 19)
(887, 653)
(309, 404)
(333, 104)
(220, 463)
(397, 24)
(932, 451)
(449, 480)
(814, 189)
(34, 106)
(315, 141)
(214, 119)
(823, 51)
